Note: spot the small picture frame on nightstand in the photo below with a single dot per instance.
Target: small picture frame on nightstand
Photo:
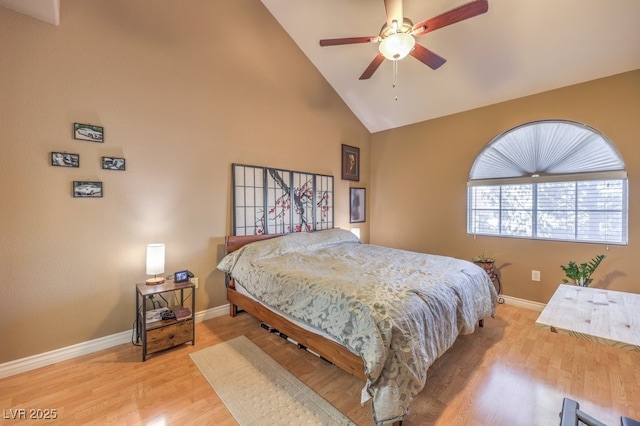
(181, 276)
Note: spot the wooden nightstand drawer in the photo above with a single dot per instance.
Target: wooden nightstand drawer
(156, 334)
(169, 336)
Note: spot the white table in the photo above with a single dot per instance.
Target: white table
(604, 316)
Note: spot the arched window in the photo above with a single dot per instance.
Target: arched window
(552, 180)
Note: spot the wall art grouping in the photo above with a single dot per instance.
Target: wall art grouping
(273, 201)
(91, 133)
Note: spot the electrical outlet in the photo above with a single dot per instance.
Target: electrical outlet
(194, 281)
(535, 275)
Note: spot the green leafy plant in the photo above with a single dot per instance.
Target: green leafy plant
(581, 274)
(482, 258)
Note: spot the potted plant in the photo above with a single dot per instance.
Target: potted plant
(482, 258)
(581, 274)
(486, 263)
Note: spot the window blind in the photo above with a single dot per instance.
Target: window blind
(552, 180)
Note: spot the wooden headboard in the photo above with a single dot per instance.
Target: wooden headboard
(233, 242)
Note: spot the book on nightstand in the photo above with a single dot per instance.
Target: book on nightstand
(181, 312)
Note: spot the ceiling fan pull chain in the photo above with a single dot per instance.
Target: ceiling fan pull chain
(395, 77)
(395, 73)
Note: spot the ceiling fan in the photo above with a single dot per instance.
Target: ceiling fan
(397, 36)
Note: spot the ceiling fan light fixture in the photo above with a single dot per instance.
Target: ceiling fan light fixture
(396, 46)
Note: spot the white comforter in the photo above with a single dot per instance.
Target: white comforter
(398, 310)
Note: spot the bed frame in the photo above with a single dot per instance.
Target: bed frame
(328, 349)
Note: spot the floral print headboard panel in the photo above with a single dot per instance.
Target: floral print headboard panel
(276, 201)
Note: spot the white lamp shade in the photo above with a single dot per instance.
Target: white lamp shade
(396, 46)
(155, 259)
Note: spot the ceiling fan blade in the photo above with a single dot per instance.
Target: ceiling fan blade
(348, 40)
(460, 13)
(373, 66)
(427, 57)
(394, 12)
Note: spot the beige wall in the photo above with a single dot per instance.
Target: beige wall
(419, 175)
(181, 97)
(183, 90)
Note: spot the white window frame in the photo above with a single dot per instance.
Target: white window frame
(488, 215)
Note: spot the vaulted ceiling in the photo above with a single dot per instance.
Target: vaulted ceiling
(45, 10)
(517, 48)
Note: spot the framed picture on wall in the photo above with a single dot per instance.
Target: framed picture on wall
(88, 132)
(85, 189)
(63, 159)
(273, 201)
(350, 163)
(357, 203)
(113, 163)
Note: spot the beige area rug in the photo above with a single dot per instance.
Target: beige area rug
(259, 391)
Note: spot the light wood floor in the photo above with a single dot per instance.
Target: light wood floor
(507, 373)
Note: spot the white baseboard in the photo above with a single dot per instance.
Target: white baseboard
(212, 313)
(522, 303)
(22, 365)
(41, 360)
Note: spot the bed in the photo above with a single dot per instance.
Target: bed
(381, 314)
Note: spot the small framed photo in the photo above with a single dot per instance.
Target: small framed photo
(63, 159)
(113, 163)
(357, 204)
(88, 132)
(181, 276)
(350, 163)
(85, 189)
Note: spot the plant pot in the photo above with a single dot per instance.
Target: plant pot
(583, 282)
(488, 266)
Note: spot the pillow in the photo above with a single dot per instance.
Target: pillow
(229, 261)
(289, 243)
(309, 241)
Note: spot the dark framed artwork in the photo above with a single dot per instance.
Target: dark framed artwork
(350, 163)
(86, 189)
(113, 163)
(63, 159)
(88, 132)
(357, 204)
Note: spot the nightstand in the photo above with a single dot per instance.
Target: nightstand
(156, 334)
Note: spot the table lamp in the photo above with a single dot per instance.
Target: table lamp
(155, 263)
